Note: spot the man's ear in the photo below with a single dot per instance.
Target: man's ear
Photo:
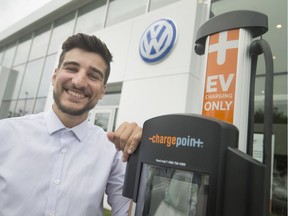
(103, 91)
(54, 75)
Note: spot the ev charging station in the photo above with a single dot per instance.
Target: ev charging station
(201, 164)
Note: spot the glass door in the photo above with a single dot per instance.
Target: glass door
(104, 117)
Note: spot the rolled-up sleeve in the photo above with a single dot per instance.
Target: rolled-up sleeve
(118, 203)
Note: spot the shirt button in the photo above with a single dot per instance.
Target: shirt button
(63, 151)
(57, 181)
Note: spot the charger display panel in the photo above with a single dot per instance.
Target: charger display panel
(172, 192)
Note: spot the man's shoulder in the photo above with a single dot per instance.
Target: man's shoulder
(21, 120)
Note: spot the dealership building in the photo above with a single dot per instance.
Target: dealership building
(142, 85)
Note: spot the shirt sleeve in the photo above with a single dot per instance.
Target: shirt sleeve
(119, 204)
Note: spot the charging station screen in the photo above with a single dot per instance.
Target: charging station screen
(172, 192)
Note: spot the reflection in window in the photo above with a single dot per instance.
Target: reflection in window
(102, 120)
(63, 28)
(9, 85)
(7, 109)
(40, 42)
(15, 80)
(104, 116)
(110, 100)
(169, 191)
(31, 79)
(279, 99)
(23, 50)
(155, 4)
(24, 107)
(1, 55)
(91, 17)
(121, 10)
(39, 105)
(9, 55)
(46, 78)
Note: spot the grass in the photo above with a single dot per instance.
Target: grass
(107, 212)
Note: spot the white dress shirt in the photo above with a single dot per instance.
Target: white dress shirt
(47, 169)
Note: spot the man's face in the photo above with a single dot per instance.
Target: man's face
(79, 82)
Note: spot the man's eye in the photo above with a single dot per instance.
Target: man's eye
(95, 76)
(71, 69)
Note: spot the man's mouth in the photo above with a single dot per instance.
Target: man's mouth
(75, 94)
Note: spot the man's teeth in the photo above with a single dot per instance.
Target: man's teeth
(76, 94)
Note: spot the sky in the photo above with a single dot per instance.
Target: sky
(11, 11)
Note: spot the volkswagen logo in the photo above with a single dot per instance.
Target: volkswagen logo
(157, 40)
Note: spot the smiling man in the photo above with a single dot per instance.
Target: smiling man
(56, 162)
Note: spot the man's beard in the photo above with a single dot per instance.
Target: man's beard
(69, 110)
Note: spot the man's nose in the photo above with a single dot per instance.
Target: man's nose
(79, 80)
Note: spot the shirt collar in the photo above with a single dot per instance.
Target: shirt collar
(81, 130)
(54, 124)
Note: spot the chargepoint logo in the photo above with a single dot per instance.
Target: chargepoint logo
(158, 40)
(177, 141)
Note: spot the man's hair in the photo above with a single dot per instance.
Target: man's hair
(88, 43)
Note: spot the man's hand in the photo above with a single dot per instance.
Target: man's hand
(126, 138)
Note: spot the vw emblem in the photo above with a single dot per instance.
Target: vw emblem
(157, 40)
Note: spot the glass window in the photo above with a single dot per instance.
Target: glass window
(104, 118)
(280, 97)
(121, 10)
(15, 80)
(7, 109)
(24, 107)
(46, 78)
(63, 28)
(39, 105)
(1, 55)
(110, 100)
(31, 79)
(155, 4)
(9, 55)
(40, 42)
(91, 17)
(23, 50)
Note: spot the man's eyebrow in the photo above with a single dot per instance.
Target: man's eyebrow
(71, 63)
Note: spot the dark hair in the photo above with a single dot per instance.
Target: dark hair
(89, 43)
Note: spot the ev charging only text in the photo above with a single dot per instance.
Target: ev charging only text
(216, 100)
(177, 141)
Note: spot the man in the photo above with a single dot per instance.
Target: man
(56, 163)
